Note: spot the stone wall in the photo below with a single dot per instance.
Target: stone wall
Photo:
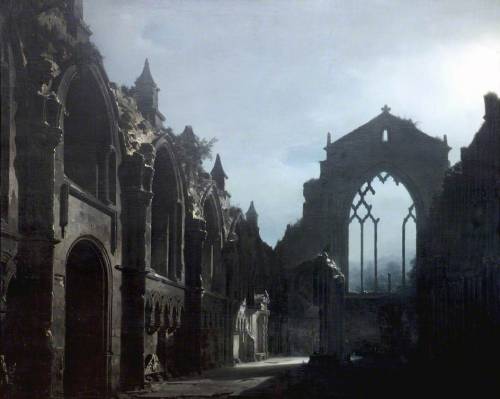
(413, 158)
(380, 324)
(458, 287)
(386, 143)
(315, 309)
(119, 212)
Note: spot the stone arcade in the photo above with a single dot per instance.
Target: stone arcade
(122, 259)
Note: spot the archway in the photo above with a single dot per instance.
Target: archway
(386, 143)
(382, 236)
(165, 219)
(89, 152)
(85, 370)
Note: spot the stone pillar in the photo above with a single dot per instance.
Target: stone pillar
(37, 135)
(336, 315)
(195, 235)
(136, 179)
(340, 246)
(228, 333)
(229, 261)
(35, 167)
(331, 297)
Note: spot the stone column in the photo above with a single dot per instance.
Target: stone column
(229, 259)
(340, 246)
(195, 235)
(136, 179)
(336, 316)
(34, 164)
(331, 285)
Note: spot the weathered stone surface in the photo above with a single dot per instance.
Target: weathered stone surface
(101, 201)
(315, 312)
(459, 279)
(411, 156)
(384, 144)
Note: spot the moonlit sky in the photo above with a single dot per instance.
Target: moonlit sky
(270, 78)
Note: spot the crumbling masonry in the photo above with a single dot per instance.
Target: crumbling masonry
(122, 260)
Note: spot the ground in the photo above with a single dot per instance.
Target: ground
(293, 378)
(267, 378)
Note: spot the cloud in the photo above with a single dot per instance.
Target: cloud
(270, 78)
(300, 156)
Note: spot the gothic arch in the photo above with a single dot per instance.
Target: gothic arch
(210, 201)
(106, 262)
(393, 171)
(415, 159)
(88, 323)
(167, 213)
(91, 147)
(212, 268)
(232, 235)
(163, 143)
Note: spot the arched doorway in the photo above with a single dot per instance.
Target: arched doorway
(85, 370)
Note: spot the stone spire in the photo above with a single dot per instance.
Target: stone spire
(146, 79)
(146, 95)
(218, 173)
(188, 131)
(251, 215)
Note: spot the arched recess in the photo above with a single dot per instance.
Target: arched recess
(167, 215)
(211, 260)
(416, 159)
(88, 320)
(90, 145)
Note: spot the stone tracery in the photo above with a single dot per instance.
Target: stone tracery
(187, 276)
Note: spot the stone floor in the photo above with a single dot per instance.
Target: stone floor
(293, 378)
(264, 379)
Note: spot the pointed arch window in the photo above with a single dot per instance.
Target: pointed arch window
(89, 158)
(166, 223)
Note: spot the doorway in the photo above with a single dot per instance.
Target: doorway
(86, 322)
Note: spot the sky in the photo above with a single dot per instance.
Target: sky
(270, 78)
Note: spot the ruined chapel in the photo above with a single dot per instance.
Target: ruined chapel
(123, 261)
